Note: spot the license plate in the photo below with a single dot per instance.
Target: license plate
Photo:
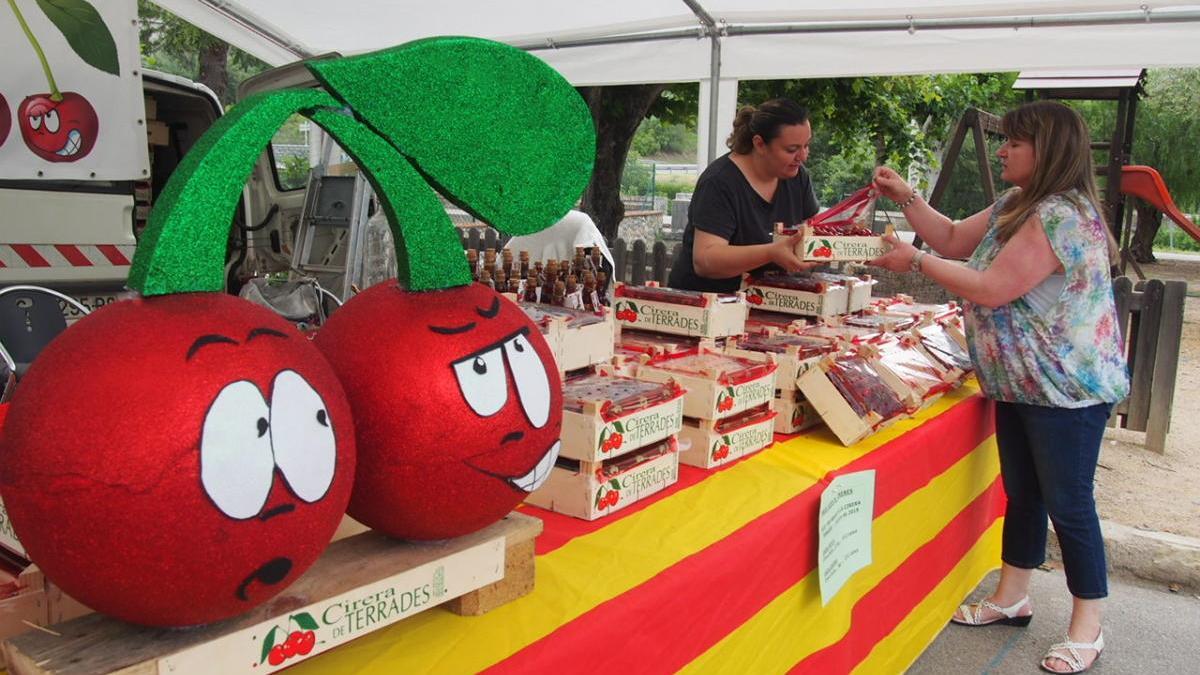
(91, 302)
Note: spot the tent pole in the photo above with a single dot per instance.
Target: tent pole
(715, 31)
(713, 97)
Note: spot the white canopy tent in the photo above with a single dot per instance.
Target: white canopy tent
(719, 42)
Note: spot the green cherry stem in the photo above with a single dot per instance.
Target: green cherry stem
(55, 95)
(184, 245)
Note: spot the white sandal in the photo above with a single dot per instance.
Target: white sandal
(1068, 653)
(972, 614)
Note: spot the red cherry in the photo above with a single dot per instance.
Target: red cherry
(5, 119)
(755, 299)
(617, 439)
(58, 131)
(307, 640)
(435, 467)
(276, 656)
(203, 360)
(613, 498)
(633, 316)
(289, 647)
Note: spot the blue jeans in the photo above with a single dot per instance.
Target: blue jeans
(1048, 464)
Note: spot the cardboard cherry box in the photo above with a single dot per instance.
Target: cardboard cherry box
(793, 354)
(590, 491)
(718, 385)
(577, 338)
(668, 310)
(801, 295)
(606, 415)
(711, 443)
(855, 395)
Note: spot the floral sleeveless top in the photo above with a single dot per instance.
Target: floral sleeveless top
(1071, 354)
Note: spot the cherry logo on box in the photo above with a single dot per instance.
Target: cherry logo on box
(295, 643)
(608, 495)
(62, 126)
(612, 440)
(627, 311)
(725, 400)
(720, 448)
(820, 248)
(754, 296)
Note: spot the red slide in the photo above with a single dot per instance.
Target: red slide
(1145, 182)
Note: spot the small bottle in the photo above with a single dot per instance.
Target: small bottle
(560, 293)
(523, 258)
(602, 287)
(485, 278)
(508, 261)
(589, 292)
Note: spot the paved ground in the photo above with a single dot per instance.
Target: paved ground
(1146, 630)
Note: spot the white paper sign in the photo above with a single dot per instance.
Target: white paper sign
(71, 103)
(844, 538)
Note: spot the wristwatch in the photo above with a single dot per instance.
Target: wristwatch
(914, 264)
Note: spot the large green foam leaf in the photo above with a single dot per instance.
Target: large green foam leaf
(493, 128)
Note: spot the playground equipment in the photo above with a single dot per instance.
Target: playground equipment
(1145, 183)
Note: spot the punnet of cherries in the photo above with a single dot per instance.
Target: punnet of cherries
(844, 229)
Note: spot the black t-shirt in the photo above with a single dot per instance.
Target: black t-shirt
(726, 205)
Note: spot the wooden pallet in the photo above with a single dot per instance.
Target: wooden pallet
(360, 584)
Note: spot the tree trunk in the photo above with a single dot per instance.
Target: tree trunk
(617, 112)
(1149, 219)
(214, 69)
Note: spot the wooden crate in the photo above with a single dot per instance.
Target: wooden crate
(791, 363)
(576, 339)
(710, 443)
(820, 248)
(587, 435)
(715, 316)
(762, 321)
(359, 585)
(794, 414)
(590, 490)
(830, 302)
(838, 414)
(712, 393)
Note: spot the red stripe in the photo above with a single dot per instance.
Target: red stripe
(883, 608)
(668, 620)
(113, 254)
(30, 255)
(73, 255)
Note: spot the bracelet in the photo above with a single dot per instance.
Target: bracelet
(914, 264)
(909, 202)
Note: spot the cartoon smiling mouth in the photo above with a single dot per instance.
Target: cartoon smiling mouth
(270, 573)
(530, 480)
(74, 140)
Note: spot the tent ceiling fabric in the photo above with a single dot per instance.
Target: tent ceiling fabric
(824, 41)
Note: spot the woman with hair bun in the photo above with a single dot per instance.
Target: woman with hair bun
(742, 194)
(1043, 334)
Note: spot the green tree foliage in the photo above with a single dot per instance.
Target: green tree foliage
(172, 45)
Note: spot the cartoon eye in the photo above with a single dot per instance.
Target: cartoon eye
(529, 373)
(482, 382)
(302, 436)
(35, 122)
(52, 121)
(236, 466)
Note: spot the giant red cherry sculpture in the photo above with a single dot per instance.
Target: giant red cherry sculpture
(180, 458)
(456, 398)
(459, 424)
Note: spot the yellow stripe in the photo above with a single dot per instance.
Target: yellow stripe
(597, 567)
(901, 648)
(795, 625)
